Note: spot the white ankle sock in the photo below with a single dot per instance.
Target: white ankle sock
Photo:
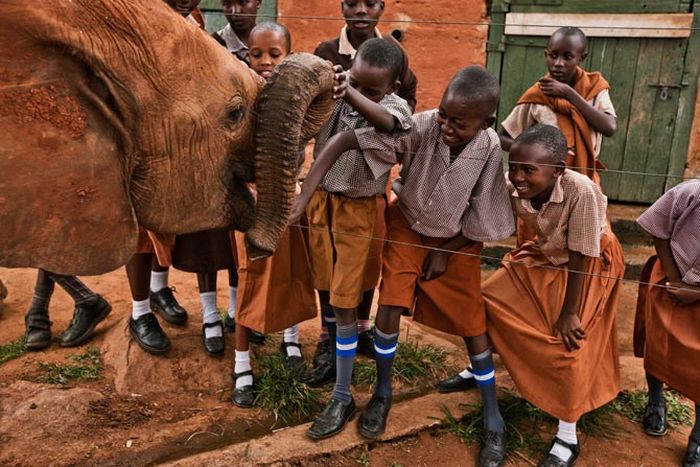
(567, 433)
(232, 294)
(210, 314)
(292, 335)
(466, 374)
(140, 308)
(243, 364)
(159, 280)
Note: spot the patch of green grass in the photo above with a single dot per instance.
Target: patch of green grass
(631, 404)
(363, 459)
(280, 391)
(412, 363)
(12, 350)
(84, 366)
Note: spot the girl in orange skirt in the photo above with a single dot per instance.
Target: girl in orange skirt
(667, 325)
(551, 306)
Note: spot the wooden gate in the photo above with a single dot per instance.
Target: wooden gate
(649, 51)
(215, 20)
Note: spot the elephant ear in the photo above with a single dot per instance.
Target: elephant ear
(64, 202)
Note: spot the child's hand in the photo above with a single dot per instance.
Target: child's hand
(682, 293)
(340, 82)
(553, 88)
(435, 265)
(568, 326)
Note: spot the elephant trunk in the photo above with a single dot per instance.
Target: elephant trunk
(293, 105)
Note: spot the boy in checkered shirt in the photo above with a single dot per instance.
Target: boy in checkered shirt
(451, 197)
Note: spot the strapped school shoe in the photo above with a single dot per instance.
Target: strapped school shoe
(245, 395)
(332, 420)
(165, 304)
(85, 317)
(654, 420)
(553, 461)
(372, 422)
(692, 454)
(456, 383)
(493, 449)
(215, 345)
(37, 329)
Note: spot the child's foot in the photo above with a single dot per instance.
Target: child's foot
(322, 373)
(292, 356)
(561, 449)
(322, 348)
(213, 338)
(256, 337)
(244, 389)
(456, 383)
(37, 329)
(493, 449)
(654, 420)
(372, 422)
(365, 344)
(148, 334)
(85, 317)
(165, 304)
(692, 454)
(332, 420)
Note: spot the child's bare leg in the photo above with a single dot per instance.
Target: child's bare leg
(138, 271)
(242, 370)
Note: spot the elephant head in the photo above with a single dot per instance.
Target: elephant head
(115, 113)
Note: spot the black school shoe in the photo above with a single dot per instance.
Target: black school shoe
(256, 337)
(148, 334)
(165, 304)
(372, 422)
(692, 454)
(553, 461)
(322, 348)
(244, 396)
(654, 421)
(85, 317)
(216, 345)
(296, 364)
(456, 383)
(322, 373)
(332, 420)
(37, 327)
(365, 344)
(493, 449)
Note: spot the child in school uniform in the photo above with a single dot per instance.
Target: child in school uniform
(451, 197)
(274, 293)
(667, 325)
(361, 18)
(551, 306)
(241, 16)
(344, 211)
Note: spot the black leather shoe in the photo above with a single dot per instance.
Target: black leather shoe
(692, 454)
(372, 422)
(553, 461)
(296, 364)
(493, 449)
(456, 383)
(332, 420)
(365, 344)
(323, 347)
(37, 329)
(213, 346)
(654, 421)
(323, 373)
(229, 324)
(148, 334)
(256, 337)
(245, 395)
(165, 304)
(85, 317)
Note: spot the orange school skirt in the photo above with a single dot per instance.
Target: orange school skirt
(276, 292)
(523, 302)
(452, 303)
(159, 244)
(667, 335)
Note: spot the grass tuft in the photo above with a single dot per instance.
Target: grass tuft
(632, 404)
(413, 362)
(85, 366)
(280, 391)
(12, 350)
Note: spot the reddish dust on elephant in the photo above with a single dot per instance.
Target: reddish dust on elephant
(119, 113)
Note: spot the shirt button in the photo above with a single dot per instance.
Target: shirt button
(430, 203)
(417, 222)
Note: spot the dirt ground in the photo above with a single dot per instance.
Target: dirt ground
(146, 410)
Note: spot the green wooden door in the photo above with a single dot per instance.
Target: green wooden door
(215, 19)
(652, 81)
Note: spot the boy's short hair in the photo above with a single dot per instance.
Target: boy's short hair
(547, 136)
(572, 31)
(476, 84)
(382, 54)
(271, 26)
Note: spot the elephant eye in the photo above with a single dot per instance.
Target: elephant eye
(235, 114)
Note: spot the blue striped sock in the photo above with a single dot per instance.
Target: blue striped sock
(385, 346)
(482, 368)
(345, 348)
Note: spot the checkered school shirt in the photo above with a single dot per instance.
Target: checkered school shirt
(676, 217)
(442, 199)
(573, 219)
(350, 175)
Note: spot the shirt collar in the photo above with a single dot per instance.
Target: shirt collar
(233, 42)
(344, 45)
(479, 141)
(557, 195)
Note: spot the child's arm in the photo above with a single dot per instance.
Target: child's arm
(568, 326)
(680, 292)
(435, 263)
(378, 116)
(330, 153)
(600, 121)
(505, 138)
